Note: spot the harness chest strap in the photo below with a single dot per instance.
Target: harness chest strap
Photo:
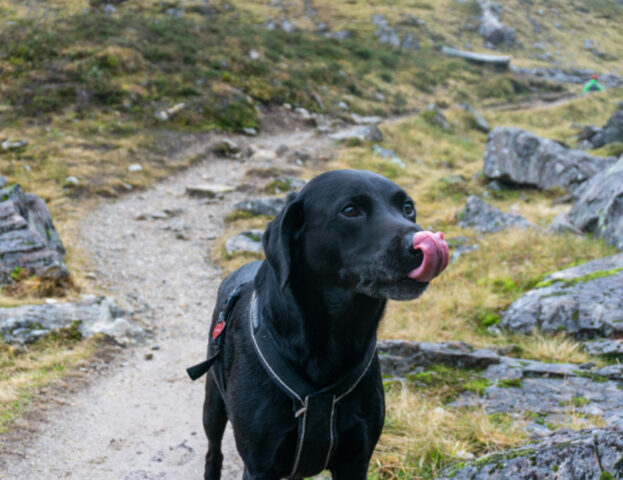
(314, 409)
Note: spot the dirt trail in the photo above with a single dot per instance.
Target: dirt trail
(142, 420)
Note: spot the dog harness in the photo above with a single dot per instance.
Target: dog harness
(315, 410)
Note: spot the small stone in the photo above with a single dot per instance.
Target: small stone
(109, 9)
(208, 190)
(343, 105)
(71, 180)
(155, 347)
(9, 144)
(249, 131)
(226, 147)
(254, 55)
(135, 167)
(149, 356)
(281, 149)
(247, 241)
(161, 115)
(3, 181)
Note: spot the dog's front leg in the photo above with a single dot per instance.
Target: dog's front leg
(357, 470)
(258, 476)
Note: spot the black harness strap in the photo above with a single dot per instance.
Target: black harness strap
(217, 336)
(315, 409)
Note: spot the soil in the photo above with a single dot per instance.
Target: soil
(136, 415)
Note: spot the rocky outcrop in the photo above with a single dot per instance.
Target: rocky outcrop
(543, 393)
(486, 218)
(587, 454)
(599, 206)
(28, 323)
(491, 28)
(483, 58)
(585, 301)
(518, 156)
(28, 240)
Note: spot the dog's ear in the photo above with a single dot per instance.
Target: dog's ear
(279, 235)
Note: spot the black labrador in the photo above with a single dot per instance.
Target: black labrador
(293, 337)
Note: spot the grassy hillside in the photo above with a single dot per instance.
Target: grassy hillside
(85, 88)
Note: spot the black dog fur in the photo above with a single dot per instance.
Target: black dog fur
(339, 249)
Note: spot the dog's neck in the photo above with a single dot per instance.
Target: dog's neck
(321, 331)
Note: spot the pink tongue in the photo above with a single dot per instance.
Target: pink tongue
(436, 255)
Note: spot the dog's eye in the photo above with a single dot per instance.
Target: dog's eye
(408, 210)
(350, 211)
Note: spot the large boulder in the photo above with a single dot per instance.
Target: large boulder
(92, 314)
(599, 206)
(486, 218)
(567, 454)
(518, 156)
(585, 301)
(28, 240)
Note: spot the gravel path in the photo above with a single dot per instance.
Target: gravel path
(142, 419)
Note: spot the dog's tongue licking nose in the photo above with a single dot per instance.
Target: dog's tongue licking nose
(435, 255)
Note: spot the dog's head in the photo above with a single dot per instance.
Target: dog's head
(357, 230)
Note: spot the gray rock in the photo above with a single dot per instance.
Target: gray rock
(387, 154)
(28, 323)
(384, 31)
(479, 121)
(410, 42)
(518, 156)
(486, 218)
(3, 181)
(135, 167)
(566, 454)
(247, 241)
(9, 144)
(604, 346)
(28, 239)
(483, 58)
(226, 147)
(249, 131)
(72, 181)
(365, 120)
(585, 301)
(613, 129)
(400, 357)
(262, 206)
(561, 224)
(599, 206)
(370, 133)
(491, 28)
(208, 190)
(433, 115)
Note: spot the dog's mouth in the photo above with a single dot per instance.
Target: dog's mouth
(431, 256)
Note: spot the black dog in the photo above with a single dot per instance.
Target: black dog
(293, 337)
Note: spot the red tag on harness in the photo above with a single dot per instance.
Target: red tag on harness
(218, 329)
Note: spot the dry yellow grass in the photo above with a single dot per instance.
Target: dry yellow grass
(23, 371)
(421, 435)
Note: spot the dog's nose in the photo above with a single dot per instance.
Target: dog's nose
(434, 252)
